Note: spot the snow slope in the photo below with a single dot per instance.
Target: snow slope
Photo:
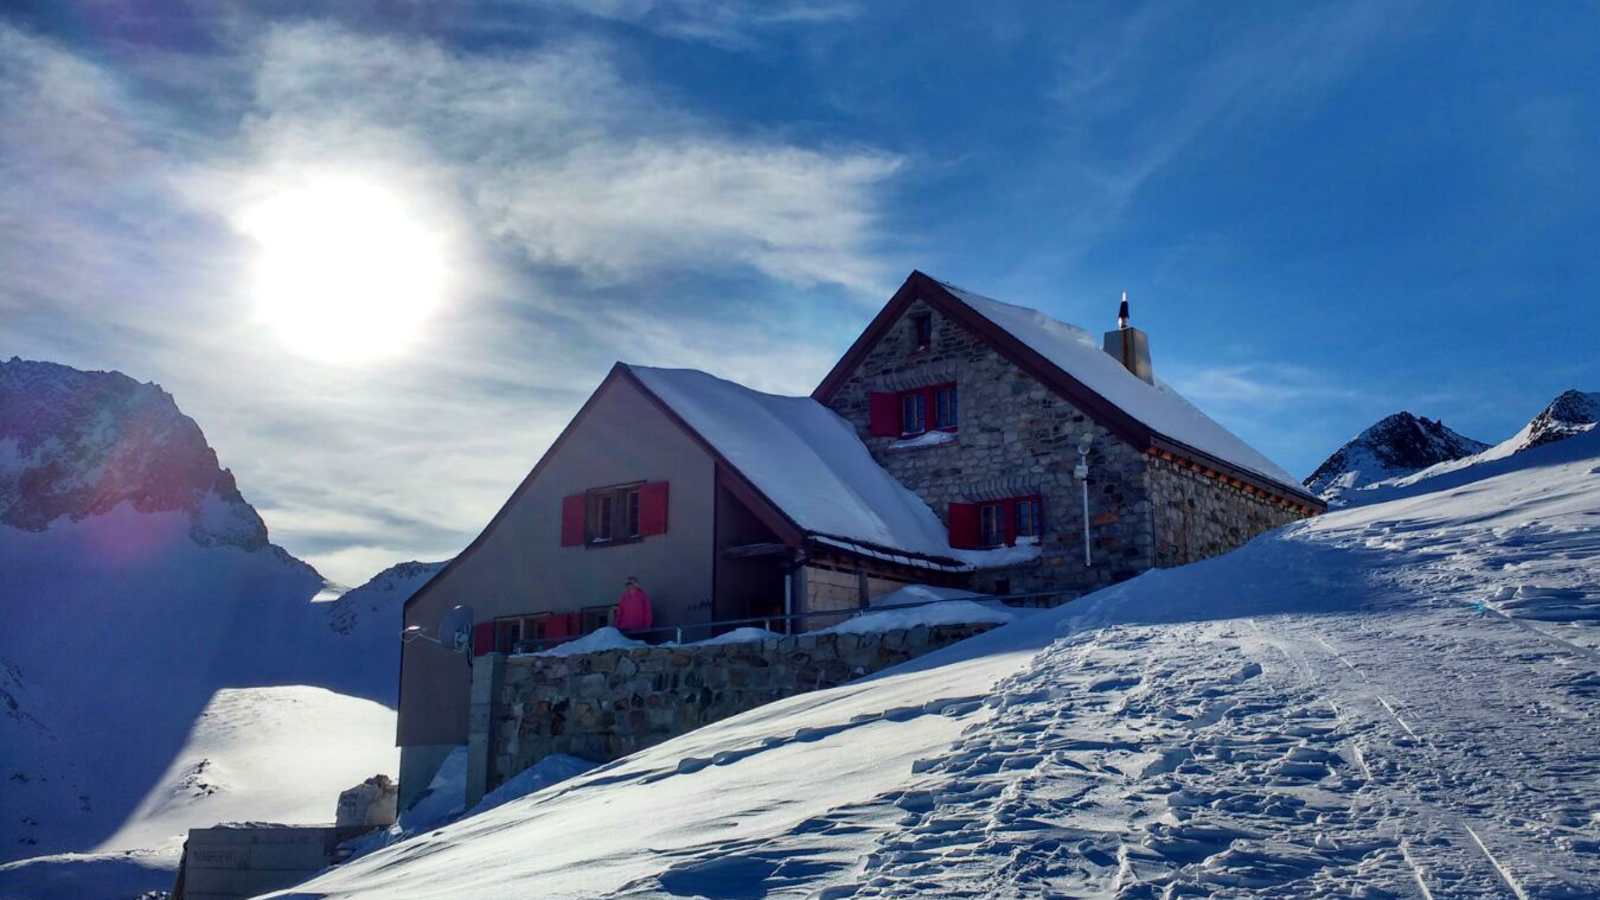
(181, 686)
(1394, 446)
(162, 664)
(1355, 705)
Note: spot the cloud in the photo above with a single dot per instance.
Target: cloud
(1135, 97)
(555, 152)
(589, 216)
(727, 23)
(1259, 386)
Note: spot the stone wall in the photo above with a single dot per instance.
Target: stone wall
(1016, 437)
(1197, 516)
(603, 706)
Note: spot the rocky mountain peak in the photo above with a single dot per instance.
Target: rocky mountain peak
(1395, 445)
(1573, 412)
(76, 444)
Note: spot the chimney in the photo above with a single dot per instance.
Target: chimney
(1129, 345)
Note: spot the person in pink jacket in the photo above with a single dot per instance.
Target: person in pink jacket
(633, 610)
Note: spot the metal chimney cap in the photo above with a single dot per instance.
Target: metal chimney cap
(1122, 312)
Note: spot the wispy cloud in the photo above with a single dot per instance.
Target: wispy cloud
(571, 193)
(1266, 386)
(1134, 97)
(556, 152)
(727, 23)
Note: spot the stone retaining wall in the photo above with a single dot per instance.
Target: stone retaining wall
(603, 706)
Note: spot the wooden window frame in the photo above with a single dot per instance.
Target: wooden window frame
(991, 525)
(1028, 521)
(608, 510)
(931, 418)
(921, 331)
(1005, 515)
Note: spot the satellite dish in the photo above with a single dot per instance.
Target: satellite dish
(455, 630)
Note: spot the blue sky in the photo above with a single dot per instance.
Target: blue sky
(1322, 213)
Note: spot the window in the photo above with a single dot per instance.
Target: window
(618, 514)
(922, 331)
(989, 533)
(613, 515)
(995, 523)
(945, 407)
(1027, 517)
(913, 413)
(507, 632)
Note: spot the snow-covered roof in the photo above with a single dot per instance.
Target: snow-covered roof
(805, 458)
(1158, 407)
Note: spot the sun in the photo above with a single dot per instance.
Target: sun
(346, 269)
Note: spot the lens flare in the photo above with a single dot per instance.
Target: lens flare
(347, 271)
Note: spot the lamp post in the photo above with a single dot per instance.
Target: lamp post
(1081, 472)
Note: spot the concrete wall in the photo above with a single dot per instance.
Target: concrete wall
(230, 862)
(1016, 437)
(521, 567)
(418, 764)
(603, 706)
(1197, 516)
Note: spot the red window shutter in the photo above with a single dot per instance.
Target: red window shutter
(883, 414)
(572, 520)
(1008, 515)
(964, 525)
(555, 627)
(653, 508)
(482, 638)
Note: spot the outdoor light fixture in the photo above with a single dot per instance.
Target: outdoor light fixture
(1081, 472)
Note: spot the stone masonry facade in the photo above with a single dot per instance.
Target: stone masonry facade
(603, 706)
(1196, 517)
(1016, 436)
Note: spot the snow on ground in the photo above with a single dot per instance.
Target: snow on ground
(925, 593)
(1349, 706)
(739, 636)
(607, 638)
(244, 747)
(84, 876)
(160, 684)
(948, 612)
(269, 754)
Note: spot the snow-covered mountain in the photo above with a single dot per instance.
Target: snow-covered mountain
(1396, 445)
(162, 663)
(77, 444)
(1570, 414)
(1396, 700)
(1574, 412)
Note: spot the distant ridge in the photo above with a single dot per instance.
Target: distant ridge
(1395, 445)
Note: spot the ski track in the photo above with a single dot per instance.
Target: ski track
(1300, 755)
